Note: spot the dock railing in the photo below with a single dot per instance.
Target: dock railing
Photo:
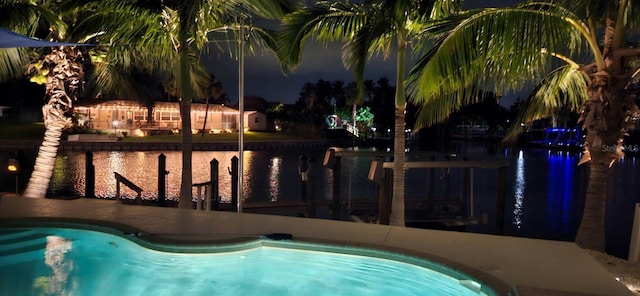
(126, 182)
(206, 199)
(466, 185)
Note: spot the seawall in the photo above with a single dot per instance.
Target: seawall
(12, 145)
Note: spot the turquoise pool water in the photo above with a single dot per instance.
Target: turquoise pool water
(65, 261)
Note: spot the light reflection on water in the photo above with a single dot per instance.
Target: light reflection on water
(263, 174)
(274, 172)
(549, 206)
(519, 186)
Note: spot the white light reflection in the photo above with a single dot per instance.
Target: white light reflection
(54, 255)
(275, 164)
(519, 191)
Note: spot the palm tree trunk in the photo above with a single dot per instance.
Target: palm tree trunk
(187, 151)
(591, 232)
(397, 216)
(186, 92)
(43, 169)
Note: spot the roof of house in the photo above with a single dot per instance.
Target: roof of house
(125, 104)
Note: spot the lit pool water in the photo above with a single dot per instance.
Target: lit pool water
(65, 261)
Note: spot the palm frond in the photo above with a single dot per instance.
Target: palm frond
(494, 49)
(199, 76)
(444, 8)
(632, 16)
(24, 17)
(12, 63)
(19, 16)
(564, 88)
(326, 22)
(269, 9)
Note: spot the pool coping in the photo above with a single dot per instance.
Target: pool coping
(509, 265)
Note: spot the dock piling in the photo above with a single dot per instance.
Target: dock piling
(90, 176)
(233, 171)
(162, 179)
(214, 189)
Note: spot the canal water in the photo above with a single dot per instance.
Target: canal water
(544, 188)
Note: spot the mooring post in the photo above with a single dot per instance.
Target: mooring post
(336, 188)
(90, 176)
(311, 201)
(500, 199)
(464, 189)
(233, 171)
(446, 172)
(378, 174)
(430, 186)
(303, 170)
(162, 179)
(384, 213)
(214, 189)
(332, 162)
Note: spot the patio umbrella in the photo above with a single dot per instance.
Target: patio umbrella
(9, 39)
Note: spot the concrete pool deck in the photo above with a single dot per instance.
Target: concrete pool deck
(510, 265)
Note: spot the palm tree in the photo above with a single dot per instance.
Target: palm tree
(366, 28)
(59, 68)
(573, 54)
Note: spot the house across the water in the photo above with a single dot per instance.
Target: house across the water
(132, 118)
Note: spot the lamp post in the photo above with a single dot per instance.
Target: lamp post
(13, 166)
(241, 111)
(115, 128)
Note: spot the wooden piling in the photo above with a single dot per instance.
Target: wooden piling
(233, 171)
(336, 188)
(162, 179)
(431, 178)
(384, 197)
(214, 189)
(90, 176)
(464, 189)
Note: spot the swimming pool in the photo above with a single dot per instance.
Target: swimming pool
(74, 261)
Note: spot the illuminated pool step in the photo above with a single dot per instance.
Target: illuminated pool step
(21, 246)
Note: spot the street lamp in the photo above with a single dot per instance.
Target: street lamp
(13, 166)
(115, 128)
(241, 111)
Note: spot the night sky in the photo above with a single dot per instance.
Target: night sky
(264, 78)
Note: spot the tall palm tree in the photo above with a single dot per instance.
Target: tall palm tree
(366, 28)
(573, 54)
(59, 68)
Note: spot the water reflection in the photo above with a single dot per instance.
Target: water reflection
(519, 186)
(563, 166)
(545, 189)
(61, 267)
(264, 175)
(274, 183)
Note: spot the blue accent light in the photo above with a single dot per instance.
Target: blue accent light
(563, 137)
